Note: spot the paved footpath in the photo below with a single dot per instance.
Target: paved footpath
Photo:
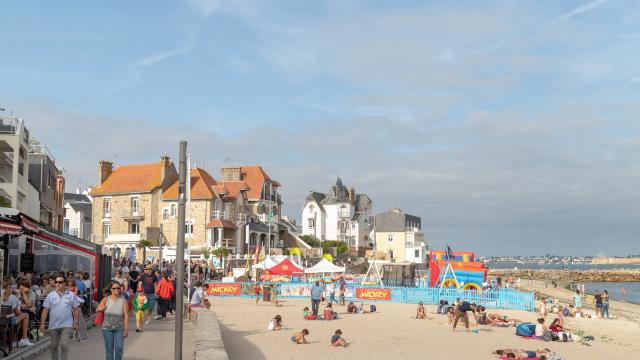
(156, 342)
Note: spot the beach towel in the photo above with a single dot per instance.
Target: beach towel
(525, 329)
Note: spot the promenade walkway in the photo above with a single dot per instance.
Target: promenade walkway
(156, 342)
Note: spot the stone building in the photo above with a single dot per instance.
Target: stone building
(126, 202)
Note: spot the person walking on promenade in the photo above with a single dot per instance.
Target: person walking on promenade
(63, 308)
(343, 288)
(148, 283)
(164, 290)
(605, 304)
(115, 327)
(316, 296)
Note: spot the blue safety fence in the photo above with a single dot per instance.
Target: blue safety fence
(501, 298)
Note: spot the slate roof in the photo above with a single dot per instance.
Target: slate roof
(317, 197)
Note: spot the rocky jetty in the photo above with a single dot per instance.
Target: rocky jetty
(570, 275)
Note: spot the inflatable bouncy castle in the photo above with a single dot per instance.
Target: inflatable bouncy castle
(469, 274)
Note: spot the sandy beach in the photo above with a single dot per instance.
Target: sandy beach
(393, 332)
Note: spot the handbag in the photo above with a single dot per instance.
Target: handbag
(99, 318)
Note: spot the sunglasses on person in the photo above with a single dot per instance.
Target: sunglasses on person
(115, 288)
(60, 282)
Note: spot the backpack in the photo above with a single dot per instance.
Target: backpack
(372, 308)
(525, 329)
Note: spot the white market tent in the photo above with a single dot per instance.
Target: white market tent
(324, 266)
(269, 262)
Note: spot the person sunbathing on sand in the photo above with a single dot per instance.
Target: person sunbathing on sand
(421, 313)
(337, 340)
(299, 337)
(541, 354)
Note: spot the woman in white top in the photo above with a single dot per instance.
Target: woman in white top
(540, 328)
(119, 277)
(11, 303)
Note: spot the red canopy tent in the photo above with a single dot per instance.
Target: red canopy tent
(285, 267)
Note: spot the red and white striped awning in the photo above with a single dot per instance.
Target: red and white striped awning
(29, 225)
(9, 229)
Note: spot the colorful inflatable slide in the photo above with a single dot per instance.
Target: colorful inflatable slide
(469, 274)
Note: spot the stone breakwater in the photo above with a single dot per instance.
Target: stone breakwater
(570, 275)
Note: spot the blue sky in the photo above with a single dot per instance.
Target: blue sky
(509, 127)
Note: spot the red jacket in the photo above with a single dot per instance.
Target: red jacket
(164, 289)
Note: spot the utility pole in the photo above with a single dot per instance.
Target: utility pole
(180, 251)
(188, 191)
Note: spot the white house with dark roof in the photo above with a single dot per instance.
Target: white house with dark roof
(77, 214)
(340, 214)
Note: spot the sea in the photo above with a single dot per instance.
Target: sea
(632, 289)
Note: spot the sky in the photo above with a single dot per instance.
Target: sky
(510, 127)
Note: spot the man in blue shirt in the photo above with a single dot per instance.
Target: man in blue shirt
(461, 312)
(316, 296)
(63, 309)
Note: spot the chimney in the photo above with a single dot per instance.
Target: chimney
(230, 173)
(165, 162)
(352, 195)
(104, 170)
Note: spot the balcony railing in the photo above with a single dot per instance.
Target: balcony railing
(217, 214)
(344, 214)
(132, 213)
(8, 125)
(226, 243)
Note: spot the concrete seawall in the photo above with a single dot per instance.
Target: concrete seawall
(208, 337)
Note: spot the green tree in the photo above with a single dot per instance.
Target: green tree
(328, 257)
(311, 240)
(206, 253)
(144, 244)
(4, 202)
(220, 253)
(341, 246)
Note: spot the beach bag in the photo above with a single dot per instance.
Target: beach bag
(372, 308)
(525, 329)
(99, 318)
(547, 336)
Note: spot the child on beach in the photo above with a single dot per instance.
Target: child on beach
(361, 309)
(305, 312)
(540, 328)
(451, 313)
(299, 337)
(578, 301)
(351, 308)
(275, 323)
(421, 313)
(140, 306)
(256, 292)
(543, 308)
(337, 340)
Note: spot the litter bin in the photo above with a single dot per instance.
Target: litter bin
(266, 293)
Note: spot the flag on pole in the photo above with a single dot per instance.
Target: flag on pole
(450, 255)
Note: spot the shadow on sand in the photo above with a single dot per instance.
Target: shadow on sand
(237, 345)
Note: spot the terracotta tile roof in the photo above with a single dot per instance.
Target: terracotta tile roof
(231, 189)
(217, 223)
(202, 186)
(255, 177)
(132, 179)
